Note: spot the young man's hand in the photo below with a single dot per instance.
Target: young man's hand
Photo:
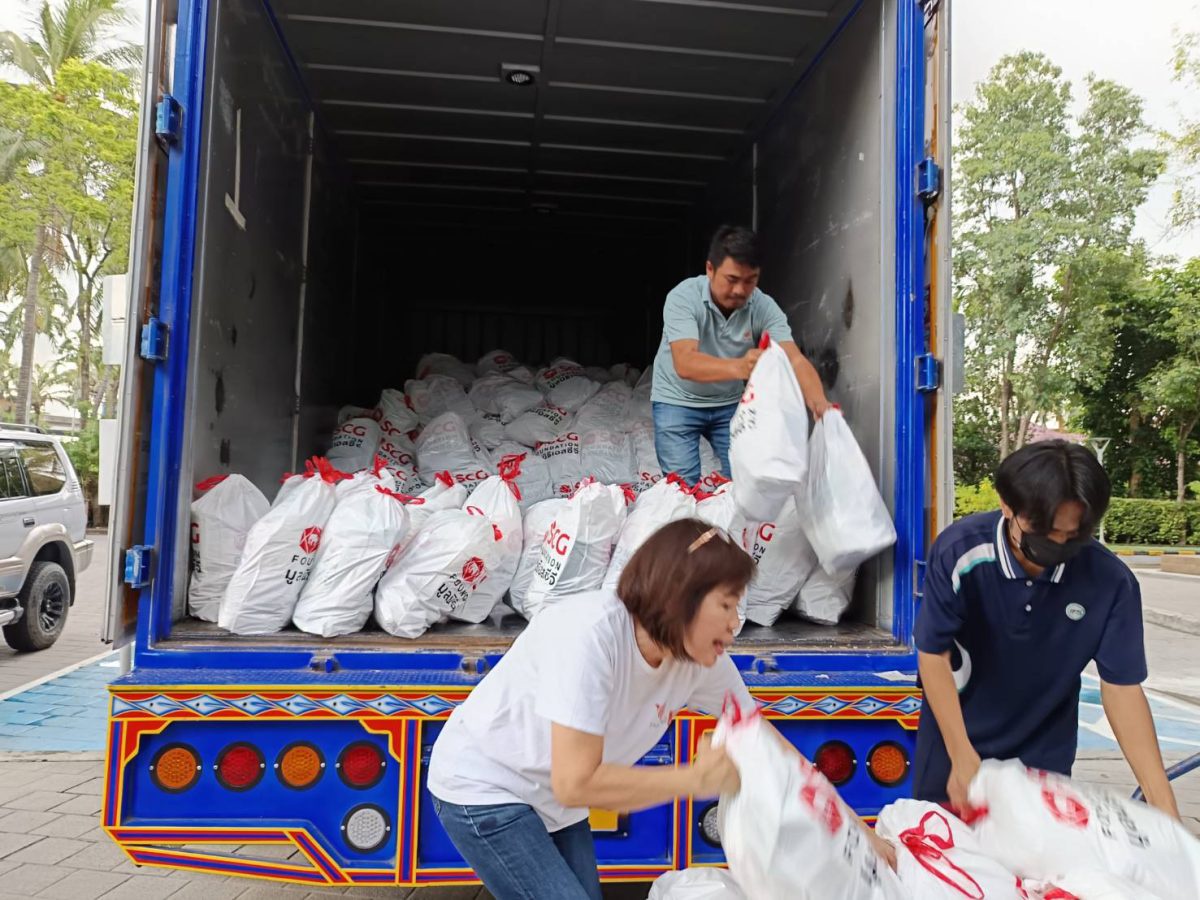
(962, 773)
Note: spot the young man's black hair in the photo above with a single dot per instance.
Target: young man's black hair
(1040, 477)
(736, 242)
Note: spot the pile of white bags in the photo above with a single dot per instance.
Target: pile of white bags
(436, 395)
(362, 535)
(784, 561)
(442, 573)
(667, 501)
(563, 456)
(576, 549)
(228, 507)
(939, 857)
(541, 423)
(786, 833)
(846, 520)
(1046, 827)
(696, 884)
(354, 444)
(434, 364)
(565, 384)
(445, 445)
(768, 449)
(538, 520)
(279, 554)
(526, 471)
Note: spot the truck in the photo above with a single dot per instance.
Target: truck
(327, 191)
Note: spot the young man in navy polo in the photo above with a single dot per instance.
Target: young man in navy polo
(1017, 603)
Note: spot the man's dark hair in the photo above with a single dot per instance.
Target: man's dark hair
(664, 582)
(737, 242)
(1040, 477)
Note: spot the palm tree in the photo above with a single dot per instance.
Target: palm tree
(74, 29)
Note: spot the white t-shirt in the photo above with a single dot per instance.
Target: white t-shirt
(576, 664)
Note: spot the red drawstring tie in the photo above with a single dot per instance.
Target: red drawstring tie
(929, 850)
(403, 498)
(765, 341)
(509, 469)
(209, 483)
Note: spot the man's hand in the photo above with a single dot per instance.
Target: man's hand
(962, 773)
(713, 772)
(744, 365)
(819, 406)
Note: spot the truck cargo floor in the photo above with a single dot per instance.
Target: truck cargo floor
(498, 632)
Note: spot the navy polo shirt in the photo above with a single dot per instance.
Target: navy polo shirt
(1019, 644)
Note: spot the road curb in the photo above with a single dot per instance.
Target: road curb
(1174, 621)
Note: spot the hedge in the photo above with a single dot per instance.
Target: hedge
(1128, 521)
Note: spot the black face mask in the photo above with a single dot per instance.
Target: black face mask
(1042, 551)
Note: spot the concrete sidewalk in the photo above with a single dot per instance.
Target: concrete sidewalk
(1175, 600)
(51, 844)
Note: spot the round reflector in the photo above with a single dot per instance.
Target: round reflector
(361, 765)
(366, 828)
(835, 760)
(300, 765)
(710, 825)
(175, 768)
(240, 767)
(888, 763)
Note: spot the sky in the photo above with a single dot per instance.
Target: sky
(1128, 42)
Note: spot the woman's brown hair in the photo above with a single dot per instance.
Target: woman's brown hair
(665, 581)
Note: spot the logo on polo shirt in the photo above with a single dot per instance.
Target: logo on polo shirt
(1075, 612)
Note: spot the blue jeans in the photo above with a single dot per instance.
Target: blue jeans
(677, 433)
(516, 858)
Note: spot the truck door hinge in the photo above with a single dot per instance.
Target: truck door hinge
(154, 339)
(168, 120)
(918, 578)
(929, 180)
(929, 373)
(137, 566)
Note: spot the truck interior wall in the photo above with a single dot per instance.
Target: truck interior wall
(249, 272)
(816, 182)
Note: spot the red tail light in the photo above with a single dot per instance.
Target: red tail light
(361, 765)
(240, 767)
(836, 761)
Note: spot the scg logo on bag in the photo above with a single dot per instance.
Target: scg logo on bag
(310, 540)
(557, 539)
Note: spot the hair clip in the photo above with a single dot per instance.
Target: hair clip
(702, 540)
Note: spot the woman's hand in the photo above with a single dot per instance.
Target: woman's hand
(713, 772)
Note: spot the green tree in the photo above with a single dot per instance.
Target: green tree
(1114, 406)
(1045, 210)
(1173, 388)
(64, 35)
(1185, 144)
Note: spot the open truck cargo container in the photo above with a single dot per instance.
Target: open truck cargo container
(328, 191)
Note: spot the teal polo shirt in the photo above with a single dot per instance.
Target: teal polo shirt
(691, 314)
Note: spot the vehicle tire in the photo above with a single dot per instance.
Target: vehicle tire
(46, 599)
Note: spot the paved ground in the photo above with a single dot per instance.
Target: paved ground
(81, 638)
(51, 735)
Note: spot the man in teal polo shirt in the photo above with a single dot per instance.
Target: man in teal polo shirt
(711, 328)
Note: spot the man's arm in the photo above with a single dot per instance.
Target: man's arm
(1129, 715)
(693, 365)
(941, 696)
(810, 381)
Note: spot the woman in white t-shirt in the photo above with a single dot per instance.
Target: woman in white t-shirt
(584, 693)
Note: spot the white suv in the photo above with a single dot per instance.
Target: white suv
(43, 537)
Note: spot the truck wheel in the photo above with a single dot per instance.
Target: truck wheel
(46, 598)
